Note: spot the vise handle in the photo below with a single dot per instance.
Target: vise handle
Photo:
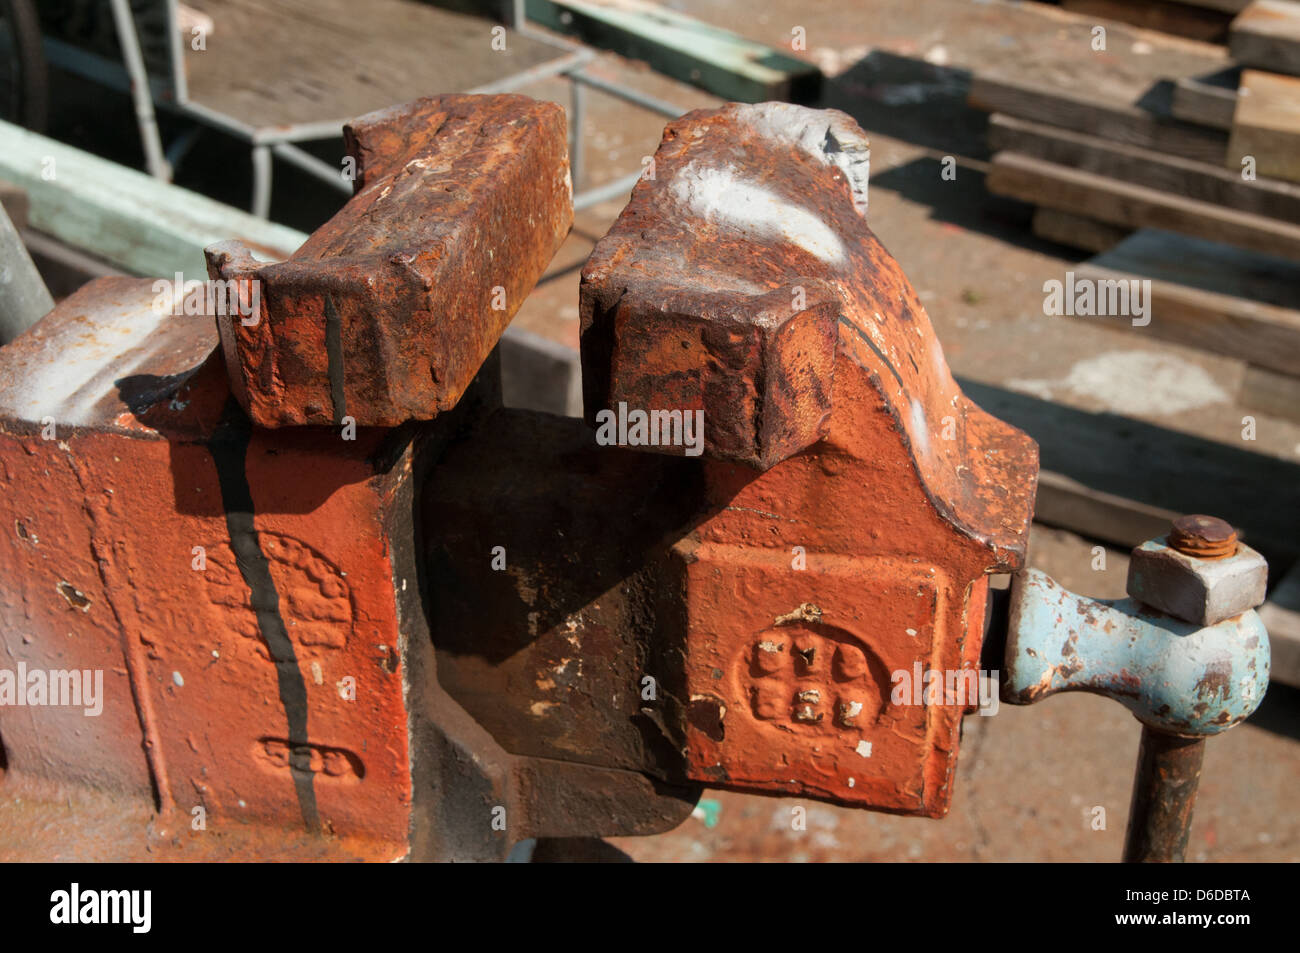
(1186, 654)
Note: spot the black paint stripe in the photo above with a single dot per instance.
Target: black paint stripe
(229, 448)
(334, 352)
(872, 344)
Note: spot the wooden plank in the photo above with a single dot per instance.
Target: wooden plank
(129, 219)
(1207, 101)
(1225, 6)
(1071, 505)
(1180, 19)
(298, 61)
(714, 59)
(1076, 231)
(1135, 206)
(1202, 181)
(1266, 35)
(1123, 93)
(1163, 469)
(1078, 111)
(1206, 295)
(1281, 617)
(1269, 392)
(1266, 125)
(1247, 330)
(1208, 266)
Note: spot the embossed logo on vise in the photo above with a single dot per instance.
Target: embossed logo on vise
(813, 675)
(315, 600)
(338, 763)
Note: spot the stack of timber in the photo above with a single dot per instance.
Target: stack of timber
(1196, 19)
(1177, 162)
(677, 45)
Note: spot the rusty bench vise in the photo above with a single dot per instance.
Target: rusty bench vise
(739, 620)
(733, 620)
(778, 502)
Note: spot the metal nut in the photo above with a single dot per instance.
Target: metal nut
(1195, 589)
(1206, 536)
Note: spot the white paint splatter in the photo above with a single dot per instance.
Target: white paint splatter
(77, 373)
(721, 197)
(827, 135)
(864, 749)
(920, 429)
(1133, 382)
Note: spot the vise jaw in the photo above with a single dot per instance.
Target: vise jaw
(737, 618)
(745, 282)
(387, 311)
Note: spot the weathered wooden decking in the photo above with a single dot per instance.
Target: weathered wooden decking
(302, 61)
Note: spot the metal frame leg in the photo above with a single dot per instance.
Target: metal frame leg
(329, 174)
(261, 180)
(1164, 793)
(141, 95)
(579, 103)
(610, 190)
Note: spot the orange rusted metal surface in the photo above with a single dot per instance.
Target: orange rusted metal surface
(398, 638)
(229, 584)
(253, 601)
(385, 314)
(732, 611)
(856, 500)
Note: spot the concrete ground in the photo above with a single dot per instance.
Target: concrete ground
(1029, 781)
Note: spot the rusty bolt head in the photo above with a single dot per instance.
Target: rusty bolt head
(1205, 536)
(1199, 574)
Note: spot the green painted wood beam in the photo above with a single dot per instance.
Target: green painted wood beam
(716, 60)
(136, 222)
